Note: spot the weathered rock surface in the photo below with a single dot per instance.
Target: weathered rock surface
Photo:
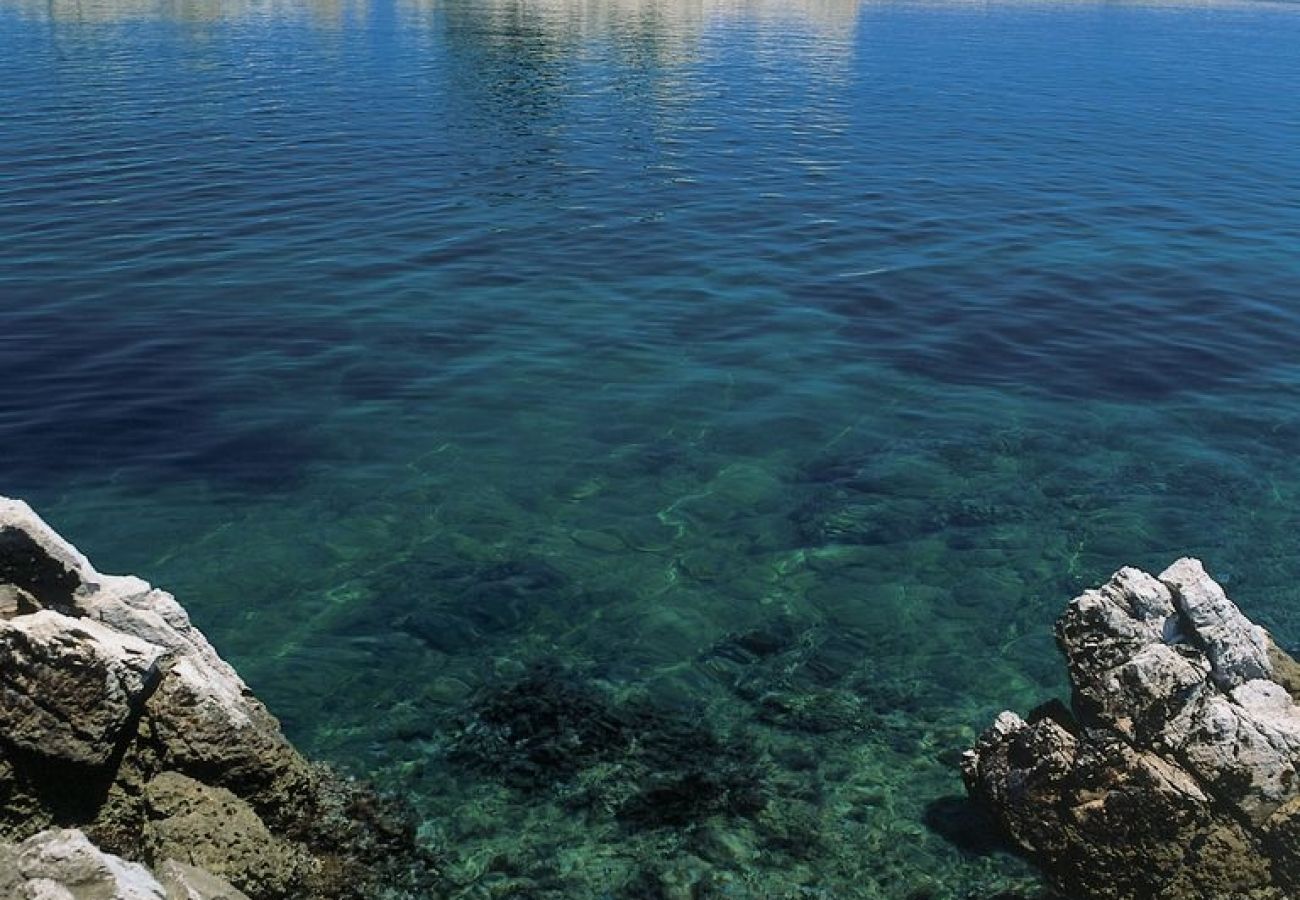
(185, 882)
(118, 717)
(211, 828)
(1174, 775)
(62, 864)
(69, 687)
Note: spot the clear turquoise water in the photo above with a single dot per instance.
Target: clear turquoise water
(768, 374)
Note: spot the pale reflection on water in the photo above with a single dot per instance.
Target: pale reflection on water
(581, 19)
(572, 19)
(576, 19)
(110, 11)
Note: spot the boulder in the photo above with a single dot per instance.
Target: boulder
(202, 714)
(118, 716)
(69, 687)
(215, 830)
(1173, 775)
(42, 570)
(63, 864)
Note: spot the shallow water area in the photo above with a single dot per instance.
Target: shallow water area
(656, 436)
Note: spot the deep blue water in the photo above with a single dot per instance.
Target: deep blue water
(783, 366)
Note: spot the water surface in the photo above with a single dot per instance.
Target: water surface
(656, 436)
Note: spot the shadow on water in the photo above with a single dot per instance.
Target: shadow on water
(233, 397)
(965, 825)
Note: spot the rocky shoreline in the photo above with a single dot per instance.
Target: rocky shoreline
(135, 763)
(1173, 773)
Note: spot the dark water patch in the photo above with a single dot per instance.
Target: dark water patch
(725, 787)
(441, 630)
(838, 653)
(838, 517)
(264, 460)
(556, 731)
(966, 825)
(97, 394)
(794, 676)
(654, 458)
(83, 392)
(1120, 333)
(542, 729)
(779, 635)
(371, 380)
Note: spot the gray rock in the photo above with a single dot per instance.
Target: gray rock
(74, 678)
(1175, 776)
(48, 570)
(1245, 745)
(69, 687)
(64, 864)
(185, 882)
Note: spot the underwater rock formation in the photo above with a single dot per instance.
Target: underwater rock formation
(118, 718)
(1174, 774)
(651, 766)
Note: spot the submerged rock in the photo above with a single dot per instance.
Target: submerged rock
(555, 731)
(117, 716)
(1174, 775)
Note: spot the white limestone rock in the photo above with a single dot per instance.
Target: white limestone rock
(1129, 660)
(64, 864)
(1237, 648)
(34, 559)
(201, 710)
(44, 569)
(110, 695)
(1244, 745)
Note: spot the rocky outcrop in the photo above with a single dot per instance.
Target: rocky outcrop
(119, 718)
(1174, 772)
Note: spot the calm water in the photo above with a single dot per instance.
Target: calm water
(655, 435)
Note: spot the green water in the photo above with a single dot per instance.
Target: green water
(826, 619)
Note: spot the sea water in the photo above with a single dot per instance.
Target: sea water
(655, 437)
